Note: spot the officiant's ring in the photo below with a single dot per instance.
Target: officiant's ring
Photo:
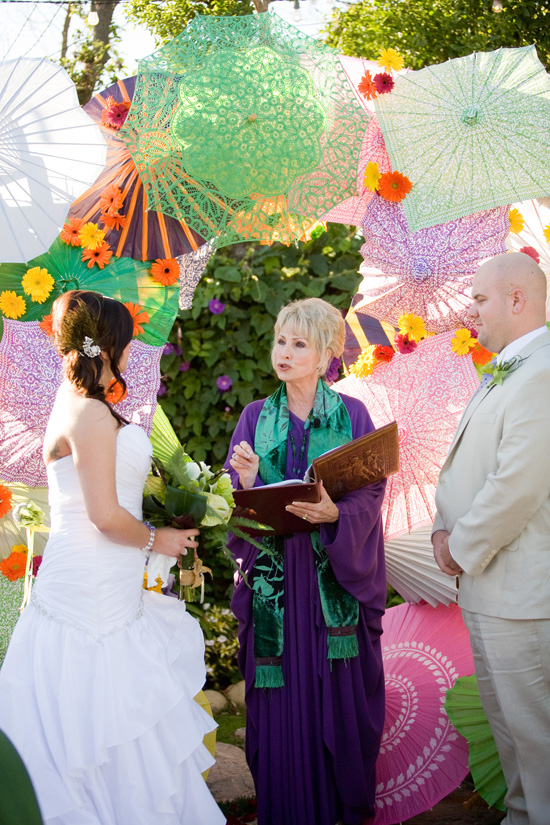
(305, 517)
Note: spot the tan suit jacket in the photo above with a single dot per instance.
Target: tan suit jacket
(493, 494)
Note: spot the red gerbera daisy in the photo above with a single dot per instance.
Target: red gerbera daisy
(113, 221)
(166, 271)
(100, 256)
(14, 566)
(367, 87)
(404, 344)
(46, 324)
(69, 233)
(532, 252)
(139, 315)
(383, 82)
(393, 186)
(5, 500)
(480, 355)
(382, 354)
(114, 114)
(111, 199)
(114, 392)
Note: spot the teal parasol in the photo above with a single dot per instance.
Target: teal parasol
(123, 278)
(471, 134)
(464, 709)
(245, 128)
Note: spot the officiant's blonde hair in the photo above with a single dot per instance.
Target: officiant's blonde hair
(318, 321)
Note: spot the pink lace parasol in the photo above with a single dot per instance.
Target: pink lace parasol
(30, 373)
(426, 392)
(422, 756)
(428, 273)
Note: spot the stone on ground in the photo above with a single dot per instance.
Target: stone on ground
(230, 778)
(235, 694)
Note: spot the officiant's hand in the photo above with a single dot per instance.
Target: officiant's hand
(245, 462)
(325, 511)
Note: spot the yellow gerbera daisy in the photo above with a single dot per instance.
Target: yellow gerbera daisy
(390, 59)
(365, 363)
(91, 236)
(12, 305)
(19, 548)
(517, 221)
(372, 176)
(463, 342)
(546, 232)
(413, 326)
(38, 283)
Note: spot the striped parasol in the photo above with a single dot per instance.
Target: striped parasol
(144, 235)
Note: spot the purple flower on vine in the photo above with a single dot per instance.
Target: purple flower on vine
(168, 349)
(224, 383)
(216, 307)
(162, 389)
(184, 366)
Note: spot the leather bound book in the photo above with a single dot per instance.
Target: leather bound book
(362, 461)
(267, 506)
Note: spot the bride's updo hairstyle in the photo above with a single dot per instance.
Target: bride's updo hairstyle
(320, 323)
(84, 323)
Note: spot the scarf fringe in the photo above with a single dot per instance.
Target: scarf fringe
(342, 647)
(269, 676)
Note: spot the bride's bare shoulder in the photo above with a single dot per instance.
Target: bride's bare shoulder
(75, 418)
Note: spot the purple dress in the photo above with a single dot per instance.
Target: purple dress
(312, 745)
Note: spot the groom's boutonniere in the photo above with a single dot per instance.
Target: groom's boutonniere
(500, 371)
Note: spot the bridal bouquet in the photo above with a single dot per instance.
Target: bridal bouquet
(183, 493)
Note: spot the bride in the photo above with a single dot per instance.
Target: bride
(96, 691)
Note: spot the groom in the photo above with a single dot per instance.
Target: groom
(492, 526)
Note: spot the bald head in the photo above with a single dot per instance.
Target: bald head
(509, 299)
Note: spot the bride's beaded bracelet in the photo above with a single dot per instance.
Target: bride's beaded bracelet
(150, 543)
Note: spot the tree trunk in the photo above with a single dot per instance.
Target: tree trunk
(261, 5)
(105, 10)
(65, 31)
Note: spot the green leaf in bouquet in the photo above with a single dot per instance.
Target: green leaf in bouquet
(181, 502)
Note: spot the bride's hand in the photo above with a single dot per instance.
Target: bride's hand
(245, 462)
(171, 542)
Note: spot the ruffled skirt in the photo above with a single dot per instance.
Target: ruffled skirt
(108, 727)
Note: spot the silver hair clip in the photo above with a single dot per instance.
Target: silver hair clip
(90, 349)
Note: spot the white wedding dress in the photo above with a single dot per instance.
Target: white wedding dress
(96, 691)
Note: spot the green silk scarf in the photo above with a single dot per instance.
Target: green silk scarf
(340, 608)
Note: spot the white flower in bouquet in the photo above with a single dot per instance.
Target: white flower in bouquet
(224, 487)
(222, 510)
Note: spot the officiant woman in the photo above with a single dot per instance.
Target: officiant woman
(310, 616)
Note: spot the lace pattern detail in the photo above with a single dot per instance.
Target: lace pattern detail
(429, 272)
(426, 392)
(74, 626)
(468, 134)
(30, 374)
(268, 81)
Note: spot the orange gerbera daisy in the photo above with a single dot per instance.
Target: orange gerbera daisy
(14, 566)
(393, 186)
(5, 500)
(46, 324)
(69, 233)
(113, 221)
(100, 256)
(111, 199)
(166, 271)
(139, 315)
(367, 87)
(480, 355)
(114, 392)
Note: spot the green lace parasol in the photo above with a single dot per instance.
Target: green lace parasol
(471, 134)
(124, 279)
(245, 128)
